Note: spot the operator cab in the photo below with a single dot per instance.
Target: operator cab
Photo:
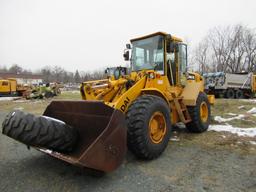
(161, 52)
(148, 54)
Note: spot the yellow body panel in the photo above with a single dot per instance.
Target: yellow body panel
(8, 86)
(253, 83)
(191, 91)
(4, 86)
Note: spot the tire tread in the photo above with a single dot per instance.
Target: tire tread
(39, 131)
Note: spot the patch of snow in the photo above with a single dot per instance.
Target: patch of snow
(8, 98)
(223, 136)
(231, 114)
(252, 110)
(18, 108)
(240, 107)
(249, 100)
(21, 101)
(221, 119)
(248, 132)
(175, 138)
(252, 142)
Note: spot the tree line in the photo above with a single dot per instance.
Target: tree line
(57, 74)
(229, 49)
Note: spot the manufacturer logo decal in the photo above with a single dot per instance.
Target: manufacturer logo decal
(124, 106)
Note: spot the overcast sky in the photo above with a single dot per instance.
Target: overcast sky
(89, 35)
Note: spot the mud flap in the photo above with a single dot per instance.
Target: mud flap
(102, 133)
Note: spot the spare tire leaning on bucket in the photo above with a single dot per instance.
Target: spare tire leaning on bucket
(40, 131)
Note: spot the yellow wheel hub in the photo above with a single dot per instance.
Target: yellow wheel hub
(157, 127)
(204, 112)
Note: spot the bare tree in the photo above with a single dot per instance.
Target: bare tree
(15, 68)
(249, 43)
(201, 57)
(77, 77)
(229, 49)
(47, 74)
(57, 73)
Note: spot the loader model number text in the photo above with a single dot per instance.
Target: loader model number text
(124, 106)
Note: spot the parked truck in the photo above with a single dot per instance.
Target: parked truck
(230, 85)
(10, 87)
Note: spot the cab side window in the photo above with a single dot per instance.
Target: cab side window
(183, 57)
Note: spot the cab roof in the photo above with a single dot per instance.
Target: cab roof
(155, 34)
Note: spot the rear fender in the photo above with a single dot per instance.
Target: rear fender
(191, 92)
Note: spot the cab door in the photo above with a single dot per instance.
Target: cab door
(176, 56)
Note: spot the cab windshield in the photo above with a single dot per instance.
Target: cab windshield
(148, 54)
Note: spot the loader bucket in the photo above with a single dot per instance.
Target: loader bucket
(102, 133)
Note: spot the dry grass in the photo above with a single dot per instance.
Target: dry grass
(69, 95)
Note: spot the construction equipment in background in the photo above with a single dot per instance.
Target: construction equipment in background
(116, 72)
(230, 85)
(47, 90)
(10, 87)
(137, 109)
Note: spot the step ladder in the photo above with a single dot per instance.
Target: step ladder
(182, 110)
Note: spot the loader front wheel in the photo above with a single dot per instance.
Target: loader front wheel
(39, 131)
(200, 115)
(149, 126)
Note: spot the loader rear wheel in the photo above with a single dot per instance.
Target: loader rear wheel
(39, 131)
(149, 126)
(200, 114)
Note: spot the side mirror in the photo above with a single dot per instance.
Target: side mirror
(128, 46)
(106, 71)
(126, 55)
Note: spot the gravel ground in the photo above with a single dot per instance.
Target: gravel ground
(182, 167)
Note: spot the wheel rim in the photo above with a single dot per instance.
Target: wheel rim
(204, 112)
(157, 127)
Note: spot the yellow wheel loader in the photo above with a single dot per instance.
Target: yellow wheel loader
(135, 110)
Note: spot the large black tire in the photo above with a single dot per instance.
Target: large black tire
(199, 125)
(138, 117)
(239, 94)
(230, 94)
(39, 131)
